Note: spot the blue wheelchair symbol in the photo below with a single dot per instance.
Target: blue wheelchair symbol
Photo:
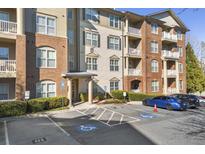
(87, 128)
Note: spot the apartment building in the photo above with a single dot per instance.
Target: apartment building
(63, 52)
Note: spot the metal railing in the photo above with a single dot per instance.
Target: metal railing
(171, 72)
(136, 72)
(169, 36)
(134, 30)
(7, 65)
(172, 90)
(8, 27)
(134, 51)
(170, 54)
(135, 90)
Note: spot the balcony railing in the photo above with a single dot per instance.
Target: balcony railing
(8, 27)
(135, 72)
(170, 54)
(169, 36)
(134, 52)
(135, 90)
(8, 66)
(171, 90)
(133, 30)
(171, 72)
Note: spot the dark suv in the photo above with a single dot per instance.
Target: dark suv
(191, 100)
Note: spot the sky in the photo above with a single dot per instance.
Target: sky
(193, 18)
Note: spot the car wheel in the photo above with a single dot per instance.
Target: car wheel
(169, 107)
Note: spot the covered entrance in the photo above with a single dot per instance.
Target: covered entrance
(75, 82)
(135, 86)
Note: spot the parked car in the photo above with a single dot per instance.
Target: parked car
(167, 102)
(191, 100)
(202, 101)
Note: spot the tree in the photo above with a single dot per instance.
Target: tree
(195, 75)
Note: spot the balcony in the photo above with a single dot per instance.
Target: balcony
(135, 32)
(134, 72)
(170, 54)
(171, 73)
(8, 27)
(135, 90)
(171, 90)
(134, 52)
(168, 37)
(7, 68)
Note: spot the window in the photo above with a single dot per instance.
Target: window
(154, 28)
(154, 66)
(46, 89)
(70, 36)
(180, 68)
(114, 43)
(45, 25)
(180, 51)
(4, 16)
(70, 13)
(155, 86)
(114, 21)
(154, 47)
(92, 39)
(4, 91)
(114, 66)
(114, 85)
(91, 14)
(46, 58)
(91, 63)
(179, 35)
(180, 84)
(4, 53)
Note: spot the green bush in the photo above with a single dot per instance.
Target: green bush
(83, 97)
(139, 96)
(40, 104)
(12, 108)
(117, 94)
(96, 96)
(113, 101)
(99, 96)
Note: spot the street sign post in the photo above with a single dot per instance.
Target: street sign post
(27, 95)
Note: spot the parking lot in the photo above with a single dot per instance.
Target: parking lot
(106, 124)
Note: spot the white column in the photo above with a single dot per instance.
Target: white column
(90, 91)
(69, 84)
(20, 21)
(165, 76)
(177, 77)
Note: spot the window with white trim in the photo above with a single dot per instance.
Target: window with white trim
(180, 84)
(4, 91)
(46, 25)
(114, 65)
(114, 21)
(154, 28)
(154, 46)
(114, 85)
(4, 53)
(46, 89)
(180, 68)
(114, 43)
(179, 35)
(180, 51)
(154, 66)
(4, 16)
(45, 57)
(91, 63)
(91, 39)
(91, 14)
(155, 86)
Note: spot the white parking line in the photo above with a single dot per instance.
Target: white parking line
(110, 117)
(67, 134)
(6, 133)
(121, 118)
(101, 114)
(95, 111)
(91, 117)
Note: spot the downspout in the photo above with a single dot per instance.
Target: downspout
(123, 78)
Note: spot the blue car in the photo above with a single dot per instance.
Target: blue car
(166, 102)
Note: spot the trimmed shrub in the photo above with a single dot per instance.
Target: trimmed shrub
(12, 108)
(83, 97)
(40, 104)
(113, 101)
(97, 96)
(118, 94)
(139, 96)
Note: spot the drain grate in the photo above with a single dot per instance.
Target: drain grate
(39, 140)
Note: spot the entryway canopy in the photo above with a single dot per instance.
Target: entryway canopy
(76, 75)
